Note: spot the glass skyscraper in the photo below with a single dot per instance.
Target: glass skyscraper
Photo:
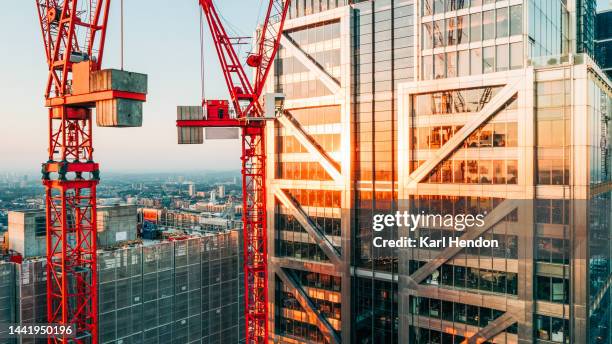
(439, 106)
(603, 41)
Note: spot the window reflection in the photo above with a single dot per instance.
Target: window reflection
(502, 22)
(427, 36)
(551, 329)
(463, 25)
(465, 314)
(438, 33)
(451, 31)
(476, 61)
(316, 198)
(503, 57)
(488, 59)
(553, 136)
(428, 67)
(461, 171)
(455, 101)
(488, 25)
(303, 171)
(516, 20)
(439, 66)
(463, 63)
(451, 64)
(475, 27)
(516, 55)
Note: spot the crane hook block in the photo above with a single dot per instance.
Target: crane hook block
(254, 60)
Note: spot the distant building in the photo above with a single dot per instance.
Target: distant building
(27, 229)
(27, 232)
(192, 190)
(603, 41)
(213, 196)
(221, 191)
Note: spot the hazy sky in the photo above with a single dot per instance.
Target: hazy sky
(162, 40)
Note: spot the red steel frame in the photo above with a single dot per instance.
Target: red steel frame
(249, 116)
(71, 29)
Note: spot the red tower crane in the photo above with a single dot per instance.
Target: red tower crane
(250, 117)
(73, 34)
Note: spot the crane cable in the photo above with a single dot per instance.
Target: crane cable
(202, 60)
(122, 39)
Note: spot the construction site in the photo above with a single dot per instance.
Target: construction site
(342, 113)
(184, 288)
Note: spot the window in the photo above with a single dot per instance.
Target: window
(516, 20)
(471, 175)
(463, 24)
(40, 226)
(451, 34)
(502, 57)
(439, 6)
(427, 7)
(439, 66)
(451, 5)
(475, 3)
(502, 22)
(427, 36)
(463, 4)
(476, 61)
(499, 177)
(551, 329)
(438, 33)
(488, 59)
(552, 289)
(512, 171)
(516, 55)
(485, 171)
(488, 25)
(463, 63)
(512, 136)
(451, 64)
(499, 135)
(427, 67)
(475, 27)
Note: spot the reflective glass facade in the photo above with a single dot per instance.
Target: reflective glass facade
(585, 22)
(548, 28)
(383, 44)
(438, 106)
(460, 38)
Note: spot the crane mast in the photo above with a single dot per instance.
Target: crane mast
(74, 33)
(251, 119)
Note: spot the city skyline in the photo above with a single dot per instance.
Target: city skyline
(176, 83)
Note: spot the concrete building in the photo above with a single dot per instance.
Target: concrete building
(452, 107)
(221, 191)
(116, 224)
(27, 232)
(603, 41)
(192, 189)
(27, 229)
